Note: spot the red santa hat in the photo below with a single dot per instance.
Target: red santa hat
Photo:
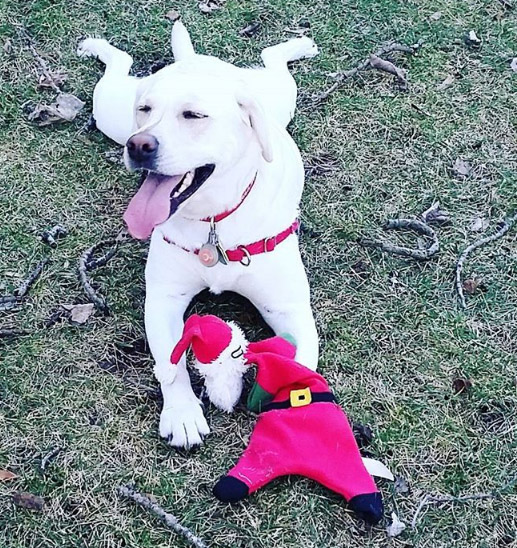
(219, 349)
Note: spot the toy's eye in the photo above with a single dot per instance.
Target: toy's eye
(191, 115)
(144, 108)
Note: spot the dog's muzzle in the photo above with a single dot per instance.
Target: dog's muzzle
(142, 149)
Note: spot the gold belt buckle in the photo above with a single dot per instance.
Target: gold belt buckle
(300, 398)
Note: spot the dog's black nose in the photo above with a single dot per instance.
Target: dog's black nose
(142, 148)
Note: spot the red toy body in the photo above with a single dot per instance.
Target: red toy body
(302, 431)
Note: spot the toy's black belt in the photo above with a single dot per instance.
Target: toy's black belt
(299, 398)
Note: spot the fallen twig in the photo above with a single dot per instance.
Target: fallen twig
(42, 63)
(7, 302)
(24, 287)
(374, 61)
(506, 4)
(52, 234)
(411, 224)
(87, 263)
(169, 519)
(10, 301)
(505, 227)
(8, 333)
(49, 457)
(441, 499)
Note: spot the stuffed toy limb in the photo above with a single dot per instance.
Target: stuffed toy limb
(301, 430)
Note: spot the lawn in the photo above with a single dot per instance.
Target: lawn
(393, 338)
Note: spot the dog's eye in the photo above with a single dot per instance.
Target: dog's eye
(144, 108)
(191, 115)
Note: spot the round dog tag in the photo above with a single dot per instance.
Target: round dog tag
(208, 255)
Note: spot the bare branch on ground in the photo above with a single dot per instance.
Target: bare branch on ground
(409, 224)
(374, 61)
(505, 227)
(49, 76)
(443, 499)
(87, 264)
(169, 519)
(45, 461)
(11, 301)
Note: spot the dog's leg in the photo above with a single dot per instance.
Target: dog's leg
(117, 61)
(114, 94)
(181, 43)
(275, 85)
(181, 422)
(280, 291)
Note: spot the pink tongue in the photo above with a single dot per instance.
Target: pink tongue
(150, 206)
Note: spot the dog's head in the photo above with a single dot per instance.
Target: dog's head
(189, 125)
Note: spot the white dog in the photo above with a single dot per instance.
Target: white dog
(223, 185)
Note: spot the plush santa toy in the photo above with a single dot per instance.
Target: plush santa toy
(300, 430)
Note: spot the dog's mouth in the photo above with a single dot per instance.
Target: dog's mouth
(160, 196)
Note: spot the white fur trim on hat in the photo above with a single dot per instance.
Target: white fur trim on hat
(223, 376)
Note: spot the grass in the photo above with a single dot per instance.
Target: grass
(392, 336)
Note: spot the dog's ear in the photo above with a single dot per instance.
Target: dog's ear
(257, 120)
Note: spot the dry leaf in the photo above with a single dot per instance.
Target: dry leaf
(79, 313)
(172, 15)
(435, 215)
(470, 286)
(28, 500)
(65, 109)
(401, 485)
(52, 79)
(208, 6)
(250, 30)
(513, 64)
(435, 16)
(395, 527)
(472, 40)
(5, 475)
(461, 385)
(461, 168)
(8, 46)
(479, 224)
(447, 83)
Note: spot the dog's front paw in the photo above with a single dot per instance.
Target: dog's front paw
(308, 48)
(183, 423)
(90, 47)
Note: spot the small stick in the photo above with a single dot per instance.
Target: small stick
(52, 234)
(24, 287)
(87, 264)
(506, 4)
(507, 224)
(435, 499)
(42, 63)
(9, 332)
(169, 519)
(411, 224)
(7, 302)
(49, 456)
(373, 61)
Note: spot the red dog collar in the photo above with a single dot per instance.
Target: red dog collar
(243, 253)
